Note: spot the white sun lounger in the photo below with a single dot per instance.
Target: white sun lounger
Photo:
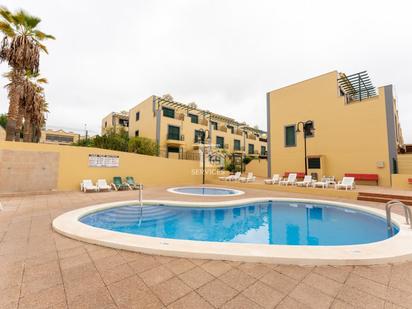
(87, 185)
(290, 181)
(347, 183)
(102, 185)
(273, 180)
(307, 181)
(248, 178)
(234, 177)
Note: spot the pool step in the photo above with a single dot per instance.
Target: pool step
(384, 198)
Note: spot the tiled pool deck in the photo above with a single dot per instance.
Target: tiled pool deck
(42, 269)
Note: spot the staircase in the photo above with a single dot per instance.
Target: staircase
(384, 198)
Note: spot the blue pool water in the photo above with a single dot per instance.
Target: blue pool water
(205, 191)
(271, 222)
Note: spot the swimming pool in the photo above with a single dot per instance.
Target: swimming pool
(205, 191)
(281, 231)
(268, 222)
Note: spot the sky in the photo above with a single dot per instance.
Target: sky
(223, 55)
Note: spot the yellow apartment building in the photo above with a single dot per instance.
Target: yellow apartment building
(116, 121)
(58, 137)
(356, 127)
(177, 128)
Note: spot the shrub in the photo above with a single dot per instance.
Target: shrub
(143, 145)
(246, 160)
(3, 120)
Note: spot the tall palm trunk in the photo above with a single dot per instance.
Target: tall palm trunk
(28, 129)
(19, 122)
(12, 116)
(15, 94)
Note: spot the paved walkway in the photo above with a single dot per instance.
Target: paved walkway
(42, 269)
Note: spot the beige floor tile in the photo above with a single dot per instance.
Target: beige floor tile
(359, 299)
(75, 261)
(43, 299)
(256, 270)
(339, 274)
(117, 273)
(42, 283)
(9, 297)
(366, 285)
(378, 273)
(311, 297)
(171, 290)
(279, 282)
(324, 284)
(216, 268)
(140, 299)
(217, 293)
(36, 272)
(156, 275)
(338, 304)
(143, 263)
(241, 302)
(290, 303)
(127, 290)
(179, 266)
(263, 295)
(294, 271)
(109, 262)
(196, 277)
(191, 301)
(77, 287)
(237, 279)
(399, 297)
(97, 298)
(78, 272)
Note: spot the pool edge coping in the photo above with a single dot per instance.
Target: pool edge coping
(237, 192)
(395, 249)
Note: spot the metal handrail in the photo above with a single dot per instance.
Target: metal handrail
(388, 207)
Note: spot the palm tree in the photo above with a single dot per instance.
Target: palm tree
(29, 94)
(20, 48)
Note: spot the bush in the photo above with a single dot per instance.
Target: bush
(143, 145)
(3, 120)
(246, 160)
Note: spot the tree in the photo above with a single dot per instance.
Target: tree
(3, 120)
(112, 140)
(20, 48)
(143, 145)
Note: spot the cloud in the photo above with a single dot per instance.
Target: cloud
(224, 55)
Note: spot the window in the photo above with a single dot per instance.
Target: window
(214, 125)
(314, 163)
(194, 118)
(231, 129)
(263, 150)
(173, 149)
(137, 116)
(220, 141)
(290, 136)
(173, 133)
(105, 124)
(236, 144)
(198, 136)
(251, 148)
(168, 112)
(124, 122)
(136, 133)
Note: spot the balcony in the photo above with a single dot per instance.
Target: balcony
(252, 137)
(175, 139)
(222, 129)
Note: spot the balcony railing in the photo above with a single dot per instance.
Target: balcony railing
(175, 137)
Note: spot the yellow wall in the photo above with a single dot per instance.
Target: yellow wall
(259, 167)
(2, 134)
(149, 170)
(351, 137)
(400, 181)
(49, 132)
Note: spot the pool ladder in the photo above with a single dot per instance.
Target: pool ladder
(140, 203)
(388, 207)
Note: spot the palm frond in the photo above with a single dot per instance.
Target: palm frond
(7, 29)
(6, 14)
(42, 80)
(42, 36)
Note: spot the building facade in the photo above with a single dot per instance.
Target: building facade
(117, 121)
(178, 129)
(356, 127)
(58, 137)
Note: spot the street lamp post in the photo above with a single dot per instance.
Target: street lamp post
(307, 127)
(203, 141)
